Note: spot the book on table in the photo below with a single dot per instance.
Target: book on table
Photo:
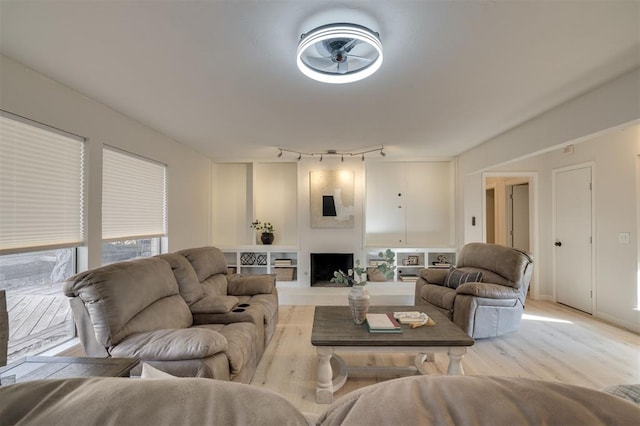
(411, 317)
(383, 323)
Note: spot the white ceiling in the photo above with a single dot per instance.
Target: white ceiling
(221, 77)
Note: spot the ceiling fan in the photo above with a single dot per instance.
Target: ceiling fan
(339, 53)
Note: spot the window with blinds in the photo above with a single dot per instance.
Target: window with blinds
(133, 197)
(41, 186)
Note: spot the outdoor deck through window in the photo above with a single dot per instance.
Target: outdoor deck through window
(39, 312)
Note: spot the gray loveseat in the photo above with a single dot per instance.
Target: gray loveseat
(483, 309)
(179, 312)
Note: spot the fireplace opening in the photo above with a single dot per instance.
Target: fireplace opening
(324, 264)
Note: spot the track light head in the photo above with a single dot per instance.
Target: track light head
(280, 154)
(320, 157)
(299, 156)
(363, 156)
(342, 158)
(382, 153)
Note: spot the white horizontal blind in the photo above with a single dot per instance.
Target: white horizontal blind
(41, 187)
(133, 196)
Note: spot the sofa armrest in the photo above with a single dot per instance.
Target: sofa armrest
(171, 345)
(214, 305)
(434, 276)
(428, 276)
(250, 285)
(488, 290)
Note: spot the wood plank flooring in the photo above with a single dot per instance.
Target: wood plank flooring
(39, 317)
(554, 343)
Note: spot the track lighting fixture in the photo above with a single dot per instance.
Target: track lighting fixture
(332, 152)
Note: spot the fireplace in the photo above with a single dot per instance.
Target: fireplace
(324, 264)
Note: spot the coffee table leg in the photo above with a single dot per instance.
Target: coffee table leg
(324, 389)
(455, 356)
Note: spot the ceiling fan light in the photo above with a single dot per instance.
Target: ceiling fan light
(335, 37)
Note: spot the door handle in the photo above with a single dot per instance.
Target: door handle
(558, 244)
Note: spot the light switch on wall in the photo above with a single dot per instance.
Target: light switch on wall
(624, 237)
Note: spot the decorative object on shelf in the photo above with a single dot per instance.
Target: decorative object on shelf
(359, 300)
(261, 259)
(413, 260)
(358, 275)
(339, 53)
(266, 231)
(247, 258)
(285, 273)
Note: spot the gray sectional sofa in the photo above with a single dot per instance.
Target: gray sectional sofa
(416, 400)
(179, 312)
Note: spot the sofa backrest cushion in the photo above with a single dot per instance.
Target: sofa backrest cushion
(130, 297)
(188, 283)
(211, 268)
(499, 264)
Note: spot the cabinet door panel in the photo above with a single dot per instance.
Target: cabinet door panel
(430, 204)
(385, 207)
(409, 204)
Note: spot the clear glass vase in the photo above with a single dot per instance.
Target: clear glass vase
(359, 299)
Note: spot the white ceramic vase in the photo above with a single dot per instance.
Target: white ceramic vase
(359, 303)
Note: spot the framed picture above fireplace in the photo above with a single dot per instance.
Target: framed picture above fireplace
(331, 195)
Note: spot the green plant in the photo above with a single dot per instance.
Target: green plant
(355, 276)
(264, 227)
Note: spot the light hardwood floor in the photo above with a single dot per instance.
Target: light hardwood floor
(554, 343)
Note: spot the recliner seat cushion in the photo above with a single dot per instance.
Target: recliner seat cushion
(172, 345)
(488, 290)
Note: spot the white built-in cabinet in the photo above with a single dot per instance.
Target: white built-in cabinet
(263, 259)
(409, 204)
(409, 261)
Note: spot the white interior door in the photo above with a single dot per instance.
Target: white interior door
(519, 216)
(573, 242)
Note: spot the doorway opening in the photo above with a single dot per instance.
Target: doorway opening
(507, 211)
(510, 213)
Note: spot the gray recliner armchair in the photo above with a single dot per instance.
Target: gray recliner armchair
(488, 307)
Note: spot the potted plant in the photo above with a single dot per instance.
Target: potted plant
(358, 275)
(266, 231)
(356, 278)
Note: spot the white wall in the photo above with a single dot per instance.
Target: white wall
(593, 123)
(30, 94)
